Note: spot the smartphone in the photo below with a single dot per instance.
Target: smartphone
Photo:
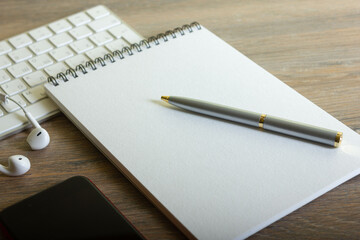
(73, 209)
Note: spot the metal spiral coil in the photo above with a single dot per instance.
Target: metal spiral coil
(91, 64)
(110, 57)
(101, 61)
(72, 72)
(120, 54)
(81, 68)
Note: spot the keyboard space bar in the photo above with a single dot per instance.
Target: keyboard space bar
(16, 121)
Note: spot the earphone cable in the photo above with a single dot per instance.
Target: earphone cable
(22, 108)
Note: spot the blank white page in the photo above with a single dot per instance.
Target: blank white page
(213, 178)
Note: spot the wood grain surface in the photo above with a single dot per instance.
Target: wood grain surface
(313, 46)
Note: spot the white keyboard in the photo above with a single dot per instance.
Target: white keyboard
(28, 59)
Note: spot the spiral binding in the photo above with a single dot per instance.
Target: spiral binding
(111, 57)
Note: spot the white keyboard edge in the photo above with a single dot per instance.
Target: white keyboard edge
(20, 123)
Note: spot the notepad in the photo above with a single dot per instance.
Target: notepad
(214, 179)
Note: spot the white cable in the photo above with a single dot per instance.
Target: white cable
(7, 97)
(38, 138)
(27, 114)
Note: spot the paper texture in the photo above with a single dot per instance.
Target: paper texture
(219, 179)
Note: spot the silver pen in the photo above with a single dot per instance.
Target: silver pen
(263, 121)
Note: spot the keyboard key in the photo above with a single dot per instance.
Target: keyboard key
(62, 53)
(35, 94)
(101, 38)
(61, 39)
(60, 26)
(10, 106)
(21, 40)
(35, 78)
(4, 62)
(56, 68)
(98, 12)
(80, 32)
(104, 23)
(20, 55)
(40, 33)
(41, 47)
(13, 87)
(79, 19)
(116, 45)
(76, 60)
(81, 45)
(4, 77)
(41, 61)
(97, 52)
(131, 37)
(118, 31)
(4, 47)
(20, 69)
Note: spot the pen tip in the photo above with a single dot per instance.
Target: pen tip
(165, 98)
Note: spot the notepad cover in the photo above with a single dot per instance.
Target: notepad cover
(214, 179)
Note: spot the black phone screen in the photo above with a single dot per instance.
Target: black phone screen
(73, 209)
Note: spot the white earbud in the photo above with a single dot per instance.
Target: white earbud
(38, 137)
(17, 165)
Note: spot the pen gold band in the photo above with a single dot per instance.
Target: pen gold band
(261, 120)
(165, 98)
(338, 139)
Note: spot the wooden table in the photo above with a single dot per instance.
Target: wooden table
(313, 46)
